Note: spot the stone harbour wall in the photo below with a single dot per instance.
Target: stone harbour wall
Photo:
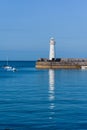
(67, 63)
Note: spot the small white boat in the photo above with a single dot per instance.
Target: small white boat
(9, 68)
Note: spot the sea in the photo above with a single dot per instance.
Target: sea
(42, 99)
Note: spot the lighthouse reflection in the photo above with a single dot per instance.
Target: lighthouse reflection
(51, 92)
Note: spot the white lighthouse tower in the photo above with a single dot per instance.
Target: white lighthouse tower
(52, 49)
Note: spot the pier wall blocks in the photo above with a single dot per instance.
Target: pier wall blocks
(50, 65)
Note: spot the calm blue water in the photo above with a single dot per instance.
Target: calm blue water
(32, 99)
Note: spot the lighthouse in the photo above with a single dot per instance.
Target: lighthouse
(52, 49)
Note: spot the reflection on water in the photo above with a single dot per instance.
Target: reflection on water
(51, 92)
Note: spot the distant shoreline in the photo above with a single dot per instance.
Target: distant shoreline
(18, 60)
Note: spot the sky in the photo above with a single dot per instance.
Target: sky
(26, 27)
